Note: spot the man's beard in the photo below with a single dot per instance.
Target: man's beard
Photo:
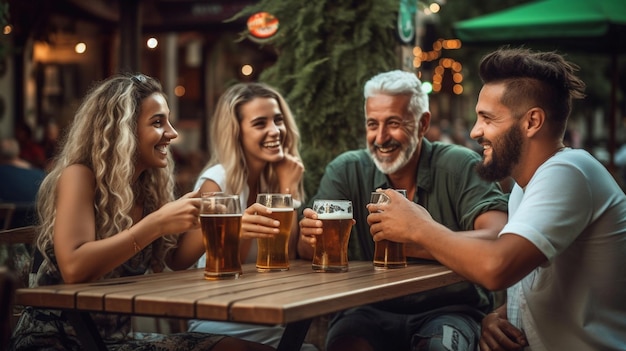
(506, 152)
(382, 163)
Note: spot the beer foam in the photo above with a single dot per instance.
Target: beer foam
(334, 215)
(221, 215)
(281, 209)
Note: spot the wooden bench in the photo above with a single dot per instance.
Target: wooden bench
(6, 214)
(21, 235)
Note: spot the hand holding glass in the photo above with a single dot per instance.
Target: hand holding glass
(220, 216)
(387, 254)
(273, 252)
(331, 250)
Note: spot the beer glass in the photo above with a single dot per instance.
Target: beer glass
(272, 254)
(387, 254)
(331, 249)
(220, 217)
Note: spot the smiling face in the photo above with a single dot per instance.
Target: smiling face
(392, 135)
(262, 131)
(499, 133)
(154, 133)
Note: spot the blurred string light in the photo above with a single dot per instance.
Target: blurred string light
(152, 43)
(432, 8)
(7, 29)
(179, 90)
(442, 64)
(80, 48)
(427, 87)
(246, 70)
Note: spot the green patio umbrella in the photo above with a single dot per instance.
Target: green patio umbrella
(582, 25)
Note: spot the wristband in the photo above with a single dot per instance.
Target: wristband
(136, 246)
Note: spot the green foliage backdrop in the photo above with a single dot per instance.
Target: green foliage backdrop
(4, 20)
(327, 49)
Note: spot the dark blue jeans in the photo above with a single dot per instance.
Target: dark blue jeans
(454, 328)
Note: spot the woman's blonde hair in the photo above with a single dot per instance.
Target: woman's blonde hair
(103, 137)
(225, 136)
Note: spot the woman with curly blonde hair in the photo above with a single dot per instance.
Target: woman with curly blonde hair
(254, 145)
(107, 209)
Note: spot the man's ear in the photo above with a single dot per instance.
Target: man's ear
(535, 121)
(424, 123)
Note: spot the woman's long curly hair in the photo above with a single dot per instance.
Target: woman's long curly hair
(103, 137)
(225, 136)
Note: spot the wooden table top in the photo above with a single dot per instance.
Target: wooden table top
(263, 298)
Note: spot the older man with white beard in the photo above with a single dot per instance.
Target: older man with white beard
(440, 177)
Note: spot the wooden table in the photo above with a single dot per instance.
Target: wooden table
(292, 298)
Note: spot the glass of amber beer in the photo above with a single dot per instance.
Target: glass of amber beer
(220, 217)
(331, 248)
(273, 252)
(387, 254)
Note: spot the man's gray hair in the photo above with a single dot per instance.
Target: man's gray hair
(399, 83)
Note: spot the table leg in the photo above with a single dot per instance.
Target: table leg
(293, 336)
(86, 330)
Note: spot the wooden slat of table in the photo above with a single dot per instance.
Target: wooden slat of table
(64, 296)
(214, 299)
(123, 301)
(118, 295)
(208, 307)
(184, 290)
(44, 296)
(96, 297)
(221, 292)
(304, 302)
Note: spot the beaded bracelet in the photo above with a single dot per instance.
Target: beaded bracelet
(136, 246)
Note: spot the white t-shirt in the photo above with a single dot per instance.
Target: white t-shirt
(575, 213)
(217, 174)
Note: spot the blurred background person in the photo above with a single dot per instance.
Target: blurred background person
(30, 150)
(19, 182)
(50, 141)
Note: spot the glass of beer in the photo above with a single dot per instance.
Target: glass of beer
(387, 254)
(273, 254)
(331, 250)
(220, 217)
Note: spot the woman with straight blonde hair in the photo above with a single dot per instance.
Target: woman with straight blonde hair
(107, 209)
(254, 144)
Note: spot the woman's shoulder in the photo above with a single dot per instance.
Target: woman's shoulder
(214, 170)
(216, 173)
(77, 170)
(77, 174)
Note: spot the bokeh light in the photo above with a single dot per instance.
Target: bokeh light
(152, 43)
(80, 48)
